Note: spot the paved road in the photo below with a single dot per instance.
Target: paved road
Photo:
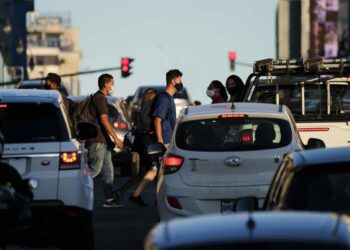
(123, 227)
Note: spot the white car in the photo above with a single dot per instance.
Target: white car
(40, 145)
(253, 231)
(220, 152)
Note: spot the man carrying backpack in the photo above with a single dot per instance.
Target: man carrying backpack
(163, 113)
(99, 148)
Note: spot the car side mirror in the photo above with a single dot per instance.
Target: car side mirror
(315, 143)
(244, 204)
(155, 149)
(86, 130)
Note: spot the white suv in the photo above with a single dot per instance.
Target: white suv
(220, 152)
(39, 144)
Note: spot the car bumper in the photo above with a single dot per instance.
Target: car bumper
(201, 200)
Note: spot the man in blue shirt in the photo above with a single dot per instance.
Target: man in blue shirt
(164, 116)
(164, 112)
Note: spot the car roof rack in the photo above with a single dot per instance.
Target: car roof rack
(314, 66)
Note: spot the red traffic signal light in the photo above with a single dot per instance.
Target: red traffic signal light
(232, 55)
(125, 66)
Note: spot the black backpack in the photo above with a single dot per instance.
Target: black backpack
(85, 112)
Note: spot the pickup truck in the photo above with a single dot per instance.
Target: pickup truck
(316, 91)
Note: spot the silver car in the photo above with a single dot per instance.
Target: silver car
(40, 145)
(219, 152)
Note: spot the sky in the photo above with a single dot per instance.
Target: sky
(193, 36)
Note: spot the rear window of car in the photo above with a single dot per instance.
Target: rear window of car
(32, 122)
(326, 188)
(238, 134)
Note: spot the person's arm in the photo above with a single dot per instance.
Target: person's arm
(158, 129)
(110, 130)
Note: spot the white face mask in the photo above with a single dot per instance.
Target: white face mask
(210, 93)
(110, 92)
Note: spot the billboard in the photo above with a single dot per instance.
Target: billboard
(324, 36)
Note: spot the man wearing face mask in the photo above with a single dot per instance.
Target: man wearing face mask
(100, 147)
(164, 109)
(163, 112)
(217, 92)
(53, 82)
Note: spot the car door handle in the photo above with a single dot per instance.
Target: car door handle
(45, 163)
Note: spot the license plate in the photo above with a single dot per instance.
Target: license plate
(227, 207)
(18, 163)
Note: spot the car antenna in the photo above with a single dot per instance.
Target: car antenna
(233, 107)
(250, 224)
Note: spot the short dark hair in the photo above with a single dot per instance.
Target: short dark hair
(53, 77)
(103, 79)
(171, 74)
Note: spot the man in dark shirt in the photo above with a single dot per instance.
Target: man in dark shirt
(164, 118)
(100, 147)
(53, 81)
(164, 112)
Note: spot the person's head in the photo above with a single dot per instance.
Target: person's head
(52, 81)
(174, 80)
(106, 83)
(234, 85)
(149, 95)
(216, 88)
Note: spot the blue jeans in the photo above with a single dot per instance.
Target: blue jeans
(100, 161)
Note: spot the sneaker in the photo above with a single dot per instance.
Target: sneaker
(137, 200)
(113, 203)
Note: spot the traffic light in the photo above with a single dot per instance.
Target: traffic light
(125, 66)
(232, 55)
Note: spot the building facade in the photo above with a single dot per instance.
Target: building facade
(312, 28)
(53, 46)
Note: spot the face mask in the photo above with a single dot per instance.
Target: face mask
(179, 86)
(110, 92)
(210, 93)
(232, 91)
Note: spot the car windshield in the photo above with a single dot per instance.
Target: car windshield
(285, 245)
(31, 122)
(320, 190)
(227, 134)
(308, 101)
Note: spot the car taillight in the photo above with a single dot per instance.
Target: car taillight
(120, 125)
(69, 160)
(172, 163)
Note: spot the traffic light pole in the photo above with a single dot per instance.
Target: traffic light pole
(65, 75)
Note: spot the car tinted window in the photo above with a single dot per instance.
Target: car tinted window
(32, 122)
(320, 190)
(227, 134)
